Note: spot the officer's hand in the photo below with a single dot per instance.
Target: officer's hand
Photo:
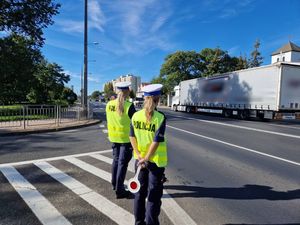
(142, 162)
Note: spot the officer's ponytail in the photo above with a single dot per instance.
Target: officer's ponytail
(149, 106)
(122, 95)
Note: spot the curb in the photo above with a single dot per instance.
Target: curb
(46, 130)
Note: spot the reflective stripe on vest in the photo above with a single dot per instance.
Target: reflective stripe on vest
(118, 126)
(145, 132)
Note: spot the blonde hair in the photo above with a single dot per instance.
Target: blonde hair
(122, 95)
(149, 106)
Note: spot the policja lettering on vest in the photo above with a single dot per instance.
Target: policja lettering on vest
(144, 126)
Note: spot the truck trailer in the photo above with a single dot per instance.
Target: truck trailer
(266, 92)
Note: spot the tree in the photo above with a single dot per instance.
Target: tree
(109, 90)
(131, 94)
(216, 61)
(69, 95)
(242, 63)
(181, 65)
(49, 83)
(27, 17)
(256, 58)
(18, 63)
(95, 95)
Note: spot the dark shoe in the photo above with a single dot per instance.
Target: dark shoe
(123, 194)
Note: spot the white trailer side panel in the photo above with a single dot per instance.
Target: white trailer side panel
(290, 88)
(251, 88)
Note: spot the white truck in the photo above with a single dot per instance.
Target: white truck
(267, 92)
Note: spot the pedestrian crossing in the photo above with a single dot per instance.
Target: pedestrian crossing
(67, 171)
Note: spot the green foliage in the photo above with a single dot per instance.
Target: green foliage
(18, 62)
(69, 96)
(256, 58)
(49, 83)
(109, 90)
(184, 65)
(95, 95)
(181, 65)
(132, 94)
(27, 17)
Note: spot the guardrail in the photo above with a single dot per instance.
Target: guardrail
(35, 115)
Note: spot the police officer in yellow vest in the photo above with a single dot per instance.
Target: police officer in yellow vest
(147, 138)
(118, 114)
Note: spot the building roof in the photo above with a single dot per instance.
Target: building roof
(287, 48)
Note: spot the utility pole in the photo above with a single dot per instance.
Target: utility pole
(85, 72)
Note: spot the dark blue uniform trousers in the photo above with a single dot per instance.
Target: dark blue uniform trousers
(122, 153)
(151, 188)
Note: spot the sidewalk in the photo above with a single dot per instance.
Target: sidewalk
(41, 126)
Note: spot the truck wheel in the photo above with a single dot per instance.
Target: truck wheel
(243, 115)
(188, 109)
(227, 113)
(174, 108)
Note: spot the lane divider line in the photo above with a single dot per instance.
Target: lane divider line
(175, 213)
(236, 146)
(241, 127)
(52, 158)
(102, 204)
(39, 205)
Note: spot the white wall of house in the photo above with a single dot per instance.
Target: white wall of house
(286, 57)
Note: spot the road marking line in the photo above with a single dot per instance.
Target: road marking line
(98, 201)
(285, 126)
(105, 131)
(101, 125)
(90, 168)
(52, 158)
(40, 206)
(69, 131)
(175, 213)
(241, 127)
(236, 146)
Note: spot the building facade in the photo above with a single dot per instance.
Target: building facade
(134, 80)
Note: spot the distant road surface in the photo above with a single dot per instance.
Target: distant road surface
(221, 171)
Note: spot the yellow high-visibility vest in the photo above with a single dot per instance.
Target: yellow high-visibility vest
(118, 126)
(145, 132)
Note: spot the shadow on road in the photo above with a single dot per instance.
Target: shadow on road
(246, 192)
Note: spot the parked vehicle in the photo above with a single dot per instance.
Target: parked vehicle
(267, 92)
(139, 100)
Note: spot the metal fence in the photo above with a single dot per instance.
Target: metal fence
(37, 115)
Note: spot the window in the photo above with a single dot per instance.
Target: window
(296, 105)
(292, 105)
(283, 58)
(277, 59)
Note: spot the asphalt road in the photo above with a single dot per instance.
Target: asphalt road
(221, 171)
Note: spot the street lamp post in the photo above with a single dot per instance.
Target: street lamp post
(85, 66)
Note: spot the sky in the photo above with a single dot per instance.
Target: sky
(135, 36)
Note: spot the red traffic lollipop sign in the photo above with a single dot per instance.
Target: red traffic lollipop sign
(133, 183)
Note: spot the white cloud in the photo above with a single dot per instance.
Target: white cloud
(139, 27)
(96, 16)
(96, 20)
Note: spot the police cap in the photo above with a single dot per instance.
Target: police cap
(123, 85)
(152, 89)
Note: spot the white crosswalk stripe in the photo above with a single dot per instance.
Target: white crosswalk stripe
(101, 203)
(48, 214)
(175, 213)
(39, 205)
